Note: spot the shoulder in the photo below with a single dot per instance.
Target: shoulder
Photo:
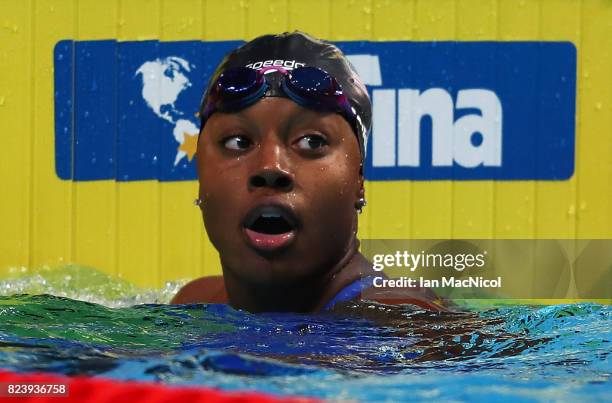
(210, 289)
(420, 296)
(363, 289)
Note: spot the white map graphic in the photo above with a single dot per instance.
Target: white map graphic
(163, 80)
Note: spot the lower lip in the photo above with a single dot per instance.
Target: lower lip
(269, 242)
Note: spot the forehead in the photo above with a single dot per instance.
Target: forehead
(280, 112)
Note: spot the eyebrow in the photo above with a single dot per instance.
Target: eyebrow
(241, 116)
(292, 119)
(296, 117)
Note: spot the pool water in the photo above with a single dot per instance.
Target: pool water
(359, 351)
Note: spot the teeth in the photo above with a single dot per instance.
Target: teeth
(270, 215)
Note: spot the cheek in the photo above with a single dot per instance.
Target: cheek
(220, 189)
(212, 170)
(333, 202)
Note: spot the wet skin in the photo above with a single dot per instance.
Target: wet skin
(277, 154)
(305, 162)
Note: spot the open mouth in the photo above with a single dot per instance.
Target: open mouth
(271, 223)
(270, 227)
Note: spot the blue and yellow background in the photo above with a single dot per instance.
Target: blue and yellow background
(149, 232)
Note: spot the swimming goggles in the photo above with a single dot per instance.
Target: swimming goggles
(311, 87)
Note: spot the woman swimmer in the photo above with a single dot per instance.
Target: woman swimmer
(279, 161)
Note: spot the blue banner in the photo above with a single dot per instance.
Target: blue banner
(442, 110)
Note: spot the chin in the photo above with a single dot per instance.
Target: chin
(256, 269)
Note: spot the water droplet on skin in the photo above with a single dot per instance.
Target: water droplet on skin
(598, 106)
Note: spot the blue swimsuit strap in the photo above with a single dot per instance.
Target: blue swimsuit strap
(349, 292)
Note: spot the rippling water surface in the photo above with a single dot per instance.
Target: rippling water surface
(365, 352)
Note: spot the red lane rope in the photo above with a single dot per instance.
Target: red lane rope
(99, 390)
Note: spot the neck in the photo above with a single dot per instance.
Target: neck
(308, 295)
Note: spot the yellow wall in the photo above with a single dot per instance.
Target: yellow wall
(143, 231)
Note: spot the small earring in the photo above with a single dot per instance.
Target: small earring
(361, 203)
(198, 202)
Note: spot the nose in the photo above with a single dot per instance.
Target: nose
(269, 172)
(271, 178)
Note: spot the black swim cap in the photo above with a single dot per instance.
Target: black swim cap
(291, 50)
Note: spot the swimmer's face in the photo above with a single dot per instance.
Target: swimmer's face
(279, 184)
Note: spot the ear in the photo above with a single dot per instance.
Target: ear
(360, 187)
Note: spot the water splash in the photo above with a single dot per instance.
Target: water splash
(85, 284)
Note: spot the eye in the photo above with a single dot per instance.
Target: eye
(237, 143)
(312, 142)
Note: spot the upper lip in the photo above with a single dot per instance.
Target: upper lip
(273, 208)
